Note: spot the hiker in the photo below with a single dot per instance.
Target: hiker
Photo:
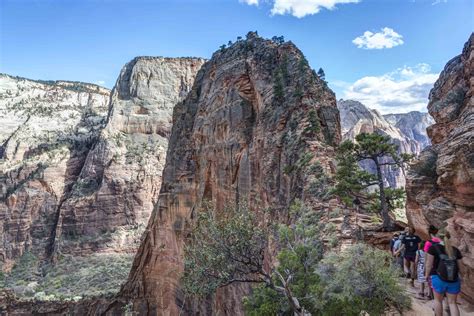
(434, 239)
(392, 243)
(442, 265)
(398, 251)
(420, 269)
(410, 245)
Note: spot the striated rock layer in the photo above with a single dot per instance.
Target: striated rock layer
(256, 117)
(79, 173)
(47, 128)
(407, 131)
(113, 197)
(440, 185)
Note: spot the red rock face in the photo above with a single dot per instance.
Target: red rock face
(440, 185)
(242, 132)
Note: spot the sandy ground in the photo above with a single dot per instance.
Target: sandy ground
(422, 307)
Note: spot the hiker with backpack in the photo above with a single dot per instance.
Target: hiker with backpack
(434, 239)
(442, 266)
(410, 245)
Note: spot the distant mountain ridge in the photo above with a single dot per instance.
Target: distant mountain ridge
(407, 130)
(412, 124)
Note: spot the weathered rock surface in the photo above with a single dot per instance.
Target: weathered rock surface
(113, 197)
(80, 174)
(46, 131)
(440, 185)
(256, 117)
(413, 125)
(407, 131)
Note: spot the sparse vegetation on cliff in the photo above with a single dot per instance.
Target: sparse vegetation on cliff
(71, 278)
(227, 247)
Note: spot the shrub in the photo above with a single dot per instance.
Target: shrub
(71, 277)
(427, 167)
(24, 271)
(314, 125)
(360, 279)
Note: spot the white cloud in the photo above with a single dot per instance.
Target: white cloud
(387, 38)
(403, 90)
(249, 2)
(100, 82)
(439, 1)
(300, 8)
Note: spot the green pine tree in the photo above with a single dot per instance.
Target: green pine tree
(353, 182)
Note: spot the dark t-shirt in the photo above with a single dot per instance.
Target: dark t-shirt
(435, 249)
(411, 244)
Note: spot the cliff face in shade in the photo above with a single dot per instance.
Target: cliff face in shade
(113, 197)
(47, 129)
(255, 110)
(440, 185)
(407, 131)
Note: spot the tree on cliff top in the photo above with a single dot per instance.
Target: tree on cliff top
(353, 182)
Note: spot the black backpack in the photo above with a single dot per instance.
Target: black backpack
(447, 269)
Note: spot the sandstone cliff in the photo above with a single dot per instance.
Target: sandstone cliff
(80, 173)
(113, 197)
(440, 185)
(46, 131)
(407, 131)
(255, 119)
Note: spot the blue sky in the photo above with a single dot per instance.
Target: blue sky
(90, 40)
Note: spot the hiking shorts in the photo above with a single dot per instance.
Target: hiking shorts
(441, 287)
(410, 257)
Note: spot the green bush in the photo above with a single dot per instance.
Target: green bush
(360, 279)
(72, 277)
(26, 270)
(356, 281)
(427, 167)
(314, 125)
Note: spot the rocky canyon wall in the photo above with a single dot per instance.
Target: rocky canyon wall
(440, 185)
(406, 130)
(47, 129)
(256, 118)
(113, 196)
(81, 168)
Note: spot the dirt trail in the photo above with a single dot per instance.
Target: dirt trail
(424, 307)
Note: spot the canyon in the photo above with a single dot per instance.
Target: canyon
(81, 168)
(47, 131)
(111, 177)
